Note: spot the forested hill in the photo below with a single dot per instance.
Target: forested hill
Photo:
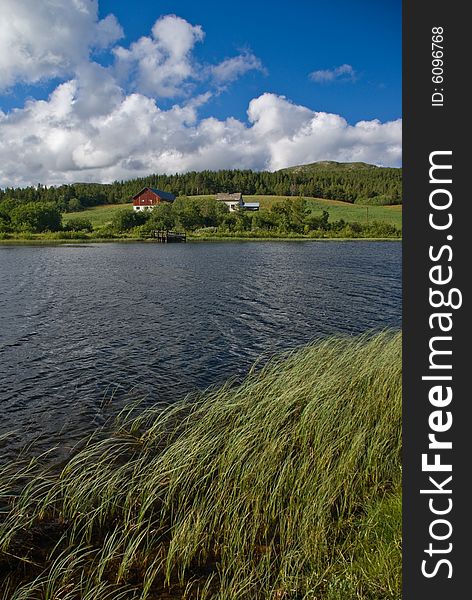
(349, 182)
(330, 165)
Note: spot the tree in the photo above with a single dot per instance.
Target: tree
(187, 212)
(36, 217)
(314, 222)
(298, 212)
(212, 212)
(6, 207)
(5, 223)
(162, 217)
(127, 219)
(78, 224)
(264, 219)
(74, 205)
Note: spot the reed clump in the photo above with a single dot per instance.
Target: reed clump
(286, 486)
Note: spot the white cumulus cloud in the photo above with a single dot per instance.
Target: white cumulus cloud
(59, 140)
(160, 64)
(103, 123)
(50, 38)
(163, 64)
(341, 73)
(232, 68)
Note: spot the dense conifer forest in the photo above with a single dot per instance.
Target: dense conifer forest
(356, 183)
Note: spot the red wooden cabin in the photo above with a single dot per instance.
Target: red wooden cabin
(148, 197)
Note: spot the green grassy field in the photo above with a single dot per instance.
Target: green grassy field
(285, 487)
(101, 215)
(98, 215)
(340, 210)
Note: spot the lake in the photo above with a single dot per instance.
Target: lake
(88, 328)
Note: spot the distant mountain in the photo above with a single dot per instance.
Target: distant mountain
(329, 165)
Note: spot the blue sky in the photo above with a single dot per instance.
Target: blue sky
(248, 84)
(292, 39)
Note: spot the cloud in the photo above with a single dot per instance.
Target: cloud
(160, 64)
(163, 65)
(64, 140)
(51, 38)
(107, 123)
(56, 39)
(233, 68)
(342, 73)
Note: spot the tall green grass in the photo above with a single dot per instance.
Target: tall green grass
(284, 487)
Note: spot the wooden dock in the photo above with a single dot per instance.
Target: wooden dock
(168, 237)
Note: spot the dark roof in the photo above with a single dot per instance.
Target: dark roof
(164, 195)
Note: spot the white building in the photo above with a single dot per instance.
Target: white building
(235, 202)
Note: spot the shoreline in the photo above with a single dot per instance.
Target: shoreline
(73, 242)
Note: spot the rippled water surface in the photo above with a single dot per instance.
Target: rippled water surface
(85, 329)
